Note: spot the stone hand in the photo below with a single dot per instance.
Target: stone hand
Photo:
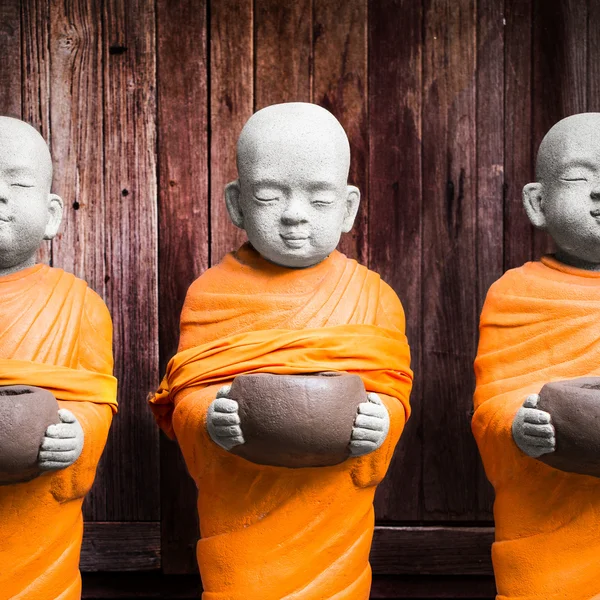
(532, 429)
(62, 443)
(371, 426)
(223, 420)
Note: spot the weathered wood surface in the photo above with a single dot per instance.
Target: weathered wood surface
(183, 240)
(444, 102)
(396, 208)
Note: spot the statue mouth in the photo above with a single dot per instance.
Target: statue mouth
(294, 240)
(595, 213)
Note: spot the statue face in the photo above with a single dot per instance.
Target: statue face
(24, 194)
(571, 197)
(295, 200)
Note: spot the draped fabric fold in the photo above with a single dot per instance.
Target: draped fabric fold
(55, 333)
(539, 324)
(271, 533)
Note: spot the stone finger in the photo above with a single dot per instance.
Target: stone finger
(544, 431)
(59, 444)
(536, 416)
(225, 419)
(224, 391)
(62, 430)
(225, 405)
(66, 416)
(374, 398)
(368, 435)
(58, 457)
(228, 431)
(367, 422)
(531, 401)
(539, 442)
(373, 410)
(361, 447)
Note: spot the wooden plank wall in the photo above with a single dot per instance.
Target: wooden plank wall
(444, 102)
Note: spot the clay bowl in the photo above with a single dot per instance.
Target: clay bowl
(574, 406)
(297, 420)
(25, 413)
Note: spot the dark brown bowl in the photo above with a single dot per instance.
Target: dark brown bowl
(297, 420)
(25, 413)
(574, 406)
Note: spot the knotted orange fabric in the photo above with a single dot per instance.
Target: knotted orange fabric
(271, 533)
(55, 333)
(539, 324)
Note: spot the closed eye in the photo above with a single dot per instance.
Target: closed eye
(573, 179)
(272, 199)
(23, 185)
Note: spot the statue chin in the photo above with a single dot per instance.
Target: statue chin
(574, 406)
(25, 414)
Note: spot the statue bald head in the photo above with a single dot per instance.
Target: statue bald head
(29, 213)
(292, 196)
(565, 200)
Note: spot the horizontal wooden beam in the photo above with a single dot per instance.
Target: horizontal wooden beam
(432, 550)
(111, 546)
(115, 546)
(151, 586)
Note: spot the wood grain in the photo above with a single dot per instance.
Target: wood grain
(395, 206)
(183, 233)
(120, 547)
(129, 59)
(490, 173)
(432, 550)
(340, 86)
(231, 103)
(559, 73)
(518, 143)
(449, 259)
(282, 51)
(11, 66)
(35, 76)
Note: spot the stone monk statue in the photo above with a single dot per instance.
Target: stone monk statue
(290, 388)
(57, 392)
(537, 402)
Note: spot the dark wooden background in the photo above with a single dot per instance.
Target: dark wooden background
(444, 101)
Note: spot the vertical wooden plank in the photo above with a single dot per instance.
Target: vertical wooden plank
(518, 143)
(340, 85)
(35, 19)
(10, 68)
(559, 72)
(395, 211)
(130, 244)
(231, 102)
(449, 259)
(593, 56)
(183, 233)
(76, 118)
(490, 170)
(283, 51)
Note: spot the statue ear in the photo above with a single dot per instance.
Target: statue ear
(533, 203)
(55, 211)
(352, 203)
(232, 200)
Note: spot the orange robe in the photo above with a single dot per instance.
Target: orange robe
(540, 323)
(55, 333)
(270, 533)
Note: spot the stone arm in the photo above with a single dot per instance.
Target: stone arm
(76, 480)
(370, 469)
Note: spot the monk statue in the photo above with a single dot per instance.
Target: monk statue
(290, 387)
(537, 402)
(57, 392)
